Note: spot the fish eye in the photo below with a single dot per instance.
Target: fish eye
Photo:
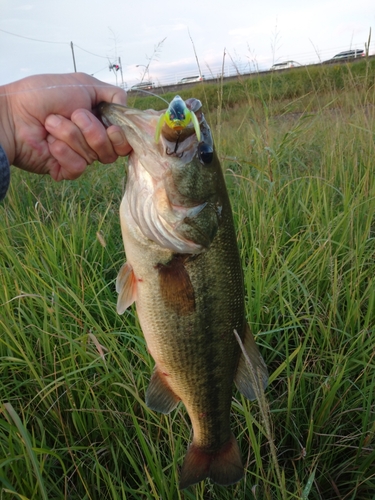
(205, 153)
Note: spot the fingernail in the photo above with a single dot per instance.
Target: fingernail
(82, 120)
(50, 139)
(53, 121)
(116, 138)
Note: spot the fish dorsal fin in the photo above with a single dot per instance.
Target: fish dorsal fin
(252, 375)
(126, 287)
(159, 396)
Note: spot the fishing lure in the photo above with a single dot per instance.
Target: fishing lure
(177, 117)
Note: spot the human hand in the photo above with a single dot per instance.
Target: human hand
(47, 124)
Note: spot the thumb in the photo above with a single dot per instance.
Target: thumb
(110, 93)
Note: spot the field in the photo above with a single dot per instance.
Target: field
(298, 154)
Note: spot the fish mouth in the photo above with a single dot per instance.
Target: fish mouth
(100, 113)
(180, 120)
(104, 120)
(152, 136)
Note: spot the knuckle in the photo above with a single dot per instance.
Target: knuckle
(109, 158)
(59, 148)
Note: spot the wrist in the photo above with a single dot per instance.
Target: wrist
(7, 138)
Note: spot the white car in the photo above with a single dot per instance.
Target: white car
(348, 54)
(285, 65)
(143, 86)
(192, 79)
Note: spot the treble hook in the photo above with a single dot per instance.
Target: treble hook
(174, 152)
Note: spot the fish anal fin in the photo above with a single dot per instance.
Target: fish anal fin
(159, 396)
(252, 375)
(222, 466)
(126, 287)
(175, 285)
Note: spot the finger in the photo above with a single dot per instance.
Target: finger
(110, 93)
(118, 139)
(66, 131)
(66, 164)
(95, 136)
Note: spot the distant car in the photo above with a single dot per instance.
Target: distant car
(284, 65)
(347, 54)
(143, 86)
(192, 79)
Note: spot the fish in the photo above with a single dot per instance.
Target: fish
(184, 274)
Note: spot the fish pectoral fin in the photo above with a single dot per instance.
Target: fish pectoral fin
(252, 375)
(223, 466)
(176, 287)
(126, 287)
(159, 396)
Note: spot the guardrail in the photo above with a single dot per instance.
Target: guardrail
(163, 89)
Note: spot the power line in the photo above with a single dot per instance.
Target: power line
(34, 39)
(99, 70)
(103, 57)
(48, 41)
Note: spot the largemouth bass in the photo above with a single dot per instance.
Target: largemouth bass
(184, 274)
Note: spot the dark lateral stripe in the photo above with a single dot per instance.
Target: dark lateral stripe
(175, 286)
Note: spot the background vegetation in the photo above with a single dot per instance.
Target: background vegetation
(297, 149)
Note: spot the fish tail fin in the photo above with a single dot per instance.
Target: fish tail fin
(223, 466)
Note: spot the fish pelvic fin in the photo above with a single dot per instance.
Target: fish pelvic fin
(252, 376)
(159, 396)
(223, 466)
(126, 287)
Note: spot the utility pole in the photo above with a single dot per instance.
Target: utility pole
(122, 76)
(74, 60)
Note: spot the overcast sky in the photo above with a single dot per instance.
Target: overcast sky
(174, 34)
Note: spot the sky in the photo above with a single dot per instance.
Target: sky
(166, 40)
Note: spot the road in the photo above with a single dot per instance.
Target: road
(163, 89)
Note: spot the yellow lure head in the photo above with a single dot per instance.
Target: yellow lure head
(177, 117)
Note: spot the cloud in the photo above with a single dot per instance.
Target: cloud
(24, 7)
(352, 29)
(179, 27)
(250, 31)
(259, 33)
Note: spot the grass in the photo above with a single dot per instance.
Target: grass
(73, 422)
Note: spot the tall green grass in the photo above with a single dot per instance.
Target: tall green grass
(312, 81)
(73, 423)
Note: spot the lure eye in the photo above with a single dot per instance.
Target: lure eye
(205, 153)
